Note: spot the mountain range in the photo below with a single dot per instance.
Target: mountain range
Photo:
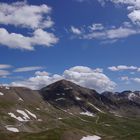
(66, 111)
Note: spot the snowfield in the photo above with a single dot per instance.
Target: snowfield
(1, 93)
(24, 114)
(12, 129)
(87, 113)
(91, 138)
(77, 98)
(20, 99)
(31, 114)
(96, 108)
(17, 118)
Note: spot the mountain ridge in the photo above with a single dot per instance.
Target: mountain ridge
(63, 107)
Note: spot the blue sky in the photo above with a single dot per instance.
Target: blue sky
(90, 42)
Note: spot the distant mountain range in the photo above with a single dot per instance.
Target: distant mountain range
(66, 111)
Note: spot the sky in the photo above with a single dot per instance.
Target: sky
(94, 43)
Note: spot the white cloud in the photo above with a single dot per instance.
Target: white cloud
(22, 14)
(135, 16)
(5, 66)
(81, 75)
(133, 7)
(100, 32)
(128, 79)
(137, 80)
(38, 81)
(4, 73)
(26, 69)
(41, 73)
(19, 41)
(36, 17)
(90, 78)
(96, 26)
(76, 30)
(122, 67)
(125, 78)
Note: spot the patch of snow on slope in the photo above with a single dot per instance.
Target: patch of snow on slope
(37, 108)
(77, 98)
(7, 87)
(25, 115)
(20, 99)
(91, 138)
(40, 120)
(12, 129)
(87, 113)
(131, 96)
(68, 88)
(31, 114)
(59, 118)
(96, 108)
(60, 99)
(17, 118)
(1, 93)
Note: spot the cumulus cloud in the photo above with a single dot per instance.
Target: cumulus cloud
(19, 41)
(81, 75)
(122, 67)
(90, 78)
(22, 14)
(35, 17)
(135, 16)
(133, 7)
(38, 81)
(26, 69)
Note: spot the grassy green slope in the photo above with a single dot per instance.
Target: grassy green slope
(106, 126)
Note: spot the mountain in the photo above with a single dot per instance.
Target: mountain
(128, 102)
(66, 111)
(69, 96)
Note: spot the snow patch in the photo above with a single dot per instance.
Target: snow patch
(77, 98)
(40, 120)
(7, 87)
(31, 114)
(37, 108)
(12, 129)
(1, 93)
(15, 117)
(91, 138)
(60, 99)
(68, 88)
(59, 118)
(87, 113)
(20, 99)
(96, 108)
(131, 96)
(25, 115)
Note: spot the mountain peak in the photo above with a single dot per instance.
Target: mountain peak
(62, 85)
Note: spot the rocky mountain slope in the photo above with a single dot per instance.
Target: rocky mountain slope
(66, 111)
